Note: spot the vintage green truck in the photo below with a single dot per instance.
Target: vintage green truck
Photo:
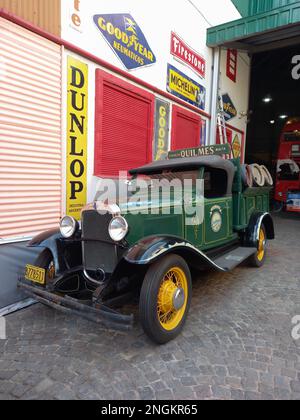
(123, 250)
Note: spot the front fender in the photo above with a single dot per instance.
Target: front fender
(57, 245)
(256, 221)
(150, 249)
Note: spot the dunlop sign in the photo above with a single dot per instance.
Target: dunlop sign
(162, 128)
(185, 88)
(77, 120)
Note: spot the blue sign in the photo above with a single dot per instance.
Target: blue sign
(185, 88)
(126, 39)
(229, 109)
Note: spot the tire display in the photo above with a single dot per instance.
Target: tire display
(258, 176)
(268, 178)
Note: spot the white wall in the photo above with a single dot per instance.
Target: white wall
(156, 19)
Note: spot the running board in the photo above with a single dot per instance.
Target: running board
(233, 258)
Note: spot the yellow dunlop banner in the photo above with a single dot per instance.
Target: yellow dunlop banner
(77, 115)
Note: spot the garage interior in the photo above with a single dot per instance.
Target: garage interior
(274, 99)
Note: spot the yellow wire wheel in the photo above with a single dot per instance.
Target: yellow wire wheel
(259, 257)
(165, 298)
(172, 298)
(261, 245)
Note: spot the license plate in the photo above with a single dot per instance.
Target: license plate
(35, 274)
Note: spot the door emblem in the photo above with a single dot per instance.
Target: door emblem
(216, 219)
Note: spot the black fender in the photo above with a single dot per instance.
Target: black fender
(256, 221)
(57, 245)
(150, 249)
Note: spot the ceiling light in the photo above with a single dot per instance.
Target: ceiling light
(272, 122)
(283, 116)
(267, 99)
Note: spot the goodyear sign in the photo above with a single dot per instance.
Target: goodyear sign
(126, 39)
(229, 108)
(185, 88)
(77, 121)
(162, 128)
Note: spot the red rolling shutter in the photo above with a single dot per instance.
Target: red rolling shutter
(124, 125)
(186, 129)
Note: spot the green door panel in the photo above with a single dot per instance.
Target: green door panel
(218, 221)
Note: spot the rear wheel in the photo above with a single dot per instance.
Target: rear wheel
(165, 299)
(259, 258)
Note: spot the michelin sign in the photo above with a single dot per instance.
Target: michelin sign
(126, 39)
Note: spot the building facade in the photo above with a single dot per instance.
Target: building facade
(111, 86)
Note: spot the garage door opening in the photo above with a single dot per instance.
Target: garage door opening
(273, 137)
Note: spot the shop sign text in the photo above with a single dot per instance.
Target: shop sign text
(162, 128)
(126, 39)
(77, 115)
(296, 69)
(229, 108)
(185, 54)
(218, 150)
(75, 15)
(185, 88)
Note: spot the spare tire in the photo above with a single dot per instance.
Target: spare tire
(247, 177)
(268, 178)
(258, 176)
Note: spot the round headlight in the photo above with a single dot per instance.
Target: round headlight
(68, 226)
(118, 229)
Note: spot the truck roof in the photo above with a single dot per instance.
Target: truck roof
(181, 164)
(185, 164)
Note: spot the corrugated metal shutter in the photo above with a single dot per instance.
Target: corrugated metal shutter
(186, 129)
(30, 132)
(43, 13)
(124, 125)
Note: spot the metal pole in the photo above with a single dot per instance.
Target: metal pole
(214, 96)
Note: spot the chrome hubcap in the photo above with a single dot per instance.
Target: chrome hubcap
(178, 299)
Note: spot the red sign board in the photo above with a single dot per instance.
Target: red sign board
(184, 53)
(231, 68)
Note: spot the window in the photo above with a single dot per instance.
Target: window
(215, 183)
(186, 129)
(123, 127)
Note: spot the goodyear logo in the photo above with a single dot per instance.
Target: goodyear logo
(185, 88)
(126, 39)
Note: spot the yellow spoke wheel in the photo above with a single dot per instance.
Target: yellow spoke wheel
(165, 298)
(258, 259)
(172, 298)
(261, 245)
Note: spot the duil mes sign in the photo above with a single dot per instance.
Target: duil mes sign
(77, 120)
(126, 39)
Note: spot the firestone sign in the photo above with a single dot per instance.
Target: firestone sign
(182, 52)
(126, 39)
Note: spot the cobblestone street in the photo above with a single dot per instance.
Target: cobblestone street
(237, 343)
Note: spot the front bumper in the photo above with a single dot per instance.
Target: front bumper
(104, 316)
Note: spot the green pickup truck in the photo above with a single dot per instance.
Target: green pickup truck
(145, 247)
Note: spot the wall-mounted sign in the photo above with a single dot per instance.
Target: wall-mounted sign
(185, 88)
(229, 108)
(219, 150)
(75, 16)
(236, 147)
(296, 68)
(162, 128)
(126, 39)
(77, 122)
(232, 64)
(181, 51)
